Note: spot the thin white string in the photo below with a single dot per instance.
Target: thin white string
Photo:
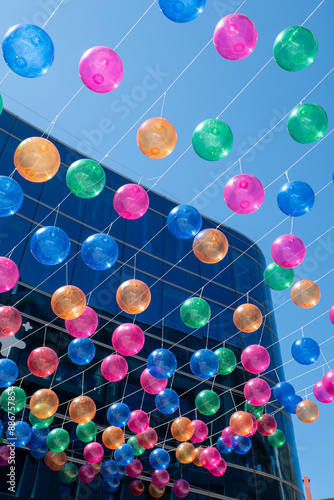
(138, 21)
(53, 13)
(4, 78)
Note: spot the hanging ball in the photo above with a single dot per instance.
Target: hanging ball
(18, 434)
(182, 429)
(307, 411)
(307, 123)
(139, 421)
(277, 277)
(99, 252)
(201, 431)
(210, 458)
(86, 432)
(156, 138)
(295, 48)
(185, 453)
(197, 459)
(284, 392)
(131, 201)
(227, 360)
(331, 315)
(266, 425)
(68, 302)
(58, 440)
(220, 469)
(69, 473)
(101, 69)
(291, 406)
(204, 364)
(295, 198)
(11, 196)
(85, 178)
(50, 245)
(210, 246)
(109, 468)
(321, 394)
(241, 444)
(227, 436)
(37, 159)
(255, 359)
(9, 274)
(81, 351)
(138, 450)
(257, 391)
(241, 423)
(147, 439)
(222, 447)
(13, 399)
(10, 321)
(8, 372)
(5, 455)
(255, 411)
(328, 381)
(247, 318)
(44, 403)
(55, 461)
(113, 437)
(83, 326)
(288, 251)
(155, 492)
(134, 469)
(182, 11)
(235, 37)
(167, 401)
(254, 429)
(86, 473)
(212, 140)
(133, 296)
(150, 384)
(128, 339)
(161, 363)
(305, 294)
(244, 194)
(195, 312)
(137, 487)
(184, 222)
(118, 414)
(305, 351)
(82, 410)
(93, 453)
(124, 455)
(181, 488)
(207, 402)
(159, 459)
(114, 368)
(42, 361)
(160, 478)
(277, 439)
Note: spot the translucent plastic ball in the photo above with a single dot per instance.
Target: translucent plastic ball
(277, 277)
(241, 444)
(68, 302)
(161, 363)
(247, 318)
(255, 359)
(295, 198)
(241, 423)
(331, 314)
(132, 441)
(321, 394)
(18, 434)
(266, 425)
(210, 458)
(83, 326)
(86, 473)
(137, 487)
(254, 429)
(128, 339)
(328, 381)
(204, 364)
(55, 461)
(185, 453)
(257, 391)
(197, 460)
(81, 351)
(44, 403)
(284, 392)
(305, 351)
(291, 406)
(288, 251)
(150, 384)
(277, 439)
(11, 196)
(9, 274)
(58, 440)
(244, 194)
(255, 411)
(182, 429)
(93, 452)
(235, 37)
(295, 48)
(113, 437)
(99, 252)
(11, 405)
(305, 294)
(147, 439)
(124, 455)
(181, 488)
(114, 367)
(28, 50)
(118, 414)
(227, 360)
(101, 69)
(69, 473)
(40, 452)
(121, 471)
(212, 140)
(50, 245)
(109, 468)
(133, 296)
(167, 401)
(160, 478)
(307, 411)
(195, 312)
(5, 455)
(182, 11)
(222, 447)
(207, 402)
(184, 221)
(201, 431)
(10, 321)
(42, 361)
(85, 178)
(155, 492)
(131, 201)
(134, 469)
(307, 123)
(139, 421)
(82, 409)
(156, 138)
(86, 432)
(159, 459)
(210, 246)
(221, 469)
(37, 159)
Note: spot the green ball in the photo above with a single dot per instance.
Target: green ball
(85, 178)
(40, 422)
(13, 399)
(307, 123)
(256, 411)
(86, 432)
(132, 441)
(277, 277)
(1, 438)
(277, 439)
(207, 402)
(227, 360)
(1, 104)
(212, 140)
(69, 473)
(58, 440)
(195, 312)
(295, 48)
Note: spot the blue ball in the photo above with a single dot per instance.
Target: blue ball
(40, 433)
(167, 401)
(19, 433)
(109, 468)
(50, 245)
(182, 11)
(184, 222)
(283, 392)
(161, 363)
(121, 471)
(28, 50)
(81, 351)
(99, 252)
(40, 452)
(204, 364)
(11, 196)
(124, 455)
(295, 198)
(34, 443)
(8, 372)
(222, 447)
(241, 444)
(111, 484)
(118, 414)
(291, 406)
(159, 459)
(305, 351)
(1, 427)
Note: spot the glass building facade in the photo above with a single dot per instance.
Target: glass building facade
(265, 472)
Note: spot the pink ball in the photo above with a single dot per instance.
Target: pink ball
(227, 436)
(4, 455)
(93, 452)
(266, 425)
(139, 421)
(128, 339)
(252, 432)
(101, 69)
(114, 367)
(328, 381)
(288, 251)
(42, 361)
(220, 470)
(201, 431)
(255, 359)
(210, 458)
(150, 384)
(181, 488)
(257, 391)
(147, 439)
(235, 37)
(131, 201)
(321, 394)
(244, 194)
(9, 274)
(160, 478)
(86, 473)
(84, 326)
(10, 321)
(331, 314)
(134, 469)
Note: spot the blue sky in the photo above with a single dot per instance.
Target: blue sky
(154, 54)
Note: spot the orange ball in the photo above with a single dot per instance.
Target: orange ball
(37, 159)
(68, 302)
(55, 460)
(247, 318)
(113, 437)
(44, 403)
(197, 460)
(210, 246)
(97, 467)
(241, 423)
(133, 296)
(185, 453)
(156, 138)
(307, 411)
(305, 294)
(82, 410)
(156, 492)
(182, 429)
